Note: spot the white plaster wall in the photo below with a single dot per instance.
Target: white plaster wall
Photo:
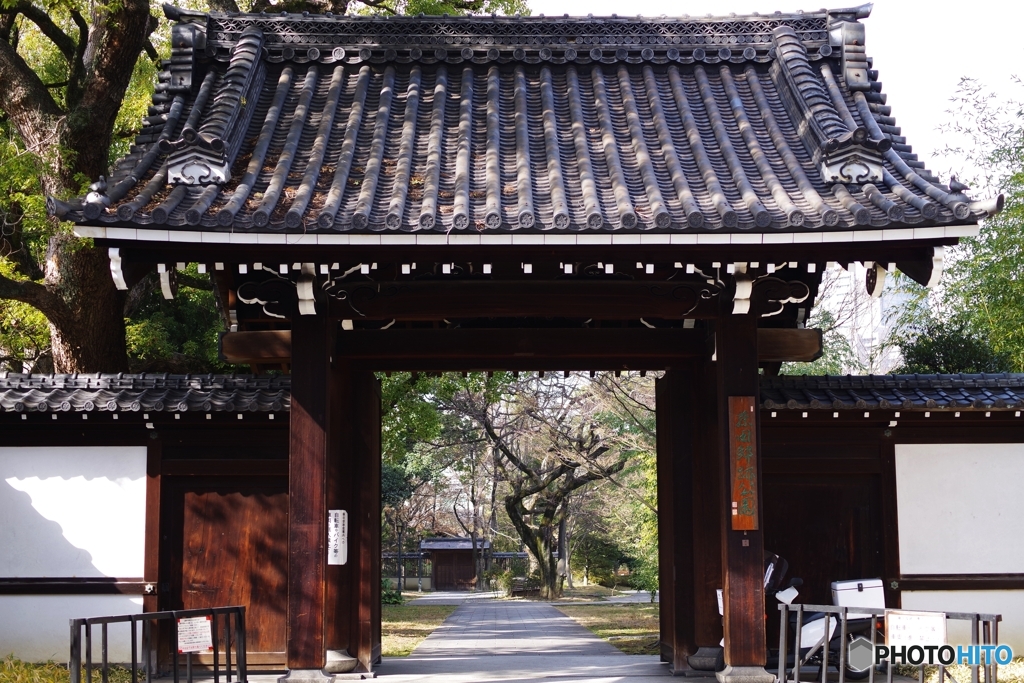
(36, 628)
(1010, 604)
(76, 511)
(959, 509)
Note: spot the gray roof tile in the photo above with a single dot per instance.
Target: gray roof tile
(485, 124)
(238, 393)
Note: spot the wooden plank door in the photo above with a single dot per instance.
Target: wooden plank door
(231, 549)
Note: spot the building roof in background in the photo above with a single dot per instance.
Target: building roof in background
(240, 393)
(900, 392)
(452, 543)
(327, 126)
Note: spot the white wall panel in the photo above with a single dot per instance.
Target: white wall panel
(1008, 603)
(959, 508)
(77, 511)
(36, 628)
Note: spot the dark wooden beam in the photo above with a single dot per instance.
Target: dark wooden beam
(76, 585)
(518, 348)
(151, 561)
(675, 516)
(707, 508)
(961, 582)
(600, 300)
(224, 467)
(742, 550)
(781, 345)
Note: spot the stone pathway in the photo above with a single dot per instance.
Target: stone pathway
(492, 640)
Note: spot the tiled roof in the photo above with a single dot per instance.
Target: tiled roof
(301, 124)
(151, 393)
(236, 393)
(454, 543)
(906, 392)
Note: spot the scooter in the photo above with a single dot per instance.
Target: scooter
(866, 593)
(863, 593)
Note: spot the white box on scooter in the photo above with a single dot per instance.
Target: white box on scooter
(859, 593)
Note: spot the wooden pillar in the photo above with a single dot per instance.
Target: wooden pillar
(353, 589)
(742, 549)
(312, 344)
(366, 634)
(675, 517)
(707, 507)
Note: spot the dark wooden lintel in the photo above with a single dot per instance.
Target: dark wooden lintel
(962, 582)
(224, 467)
(517, 348)
(582, 298)
(72, 585)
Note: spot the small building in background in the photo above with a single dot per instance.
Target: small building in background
(451, 562)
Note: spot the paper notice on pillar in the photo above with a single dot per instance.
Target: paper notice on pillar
(337, 536)
(743, 462)
(195, 635)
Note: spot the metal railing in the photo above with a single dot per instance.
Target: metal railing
(233, 628)
(984, 631)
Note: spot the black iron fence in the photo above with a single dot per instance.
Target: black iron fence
(814, 637)
(227, 630)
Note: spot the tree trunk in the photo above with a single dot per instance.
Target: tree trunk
(564, 569)
(90, 335)
(539, 544)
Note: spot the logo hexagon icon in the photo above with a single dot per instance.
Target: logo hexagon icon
(859, 654)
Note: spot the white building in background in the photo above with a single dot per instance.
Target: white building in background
(864, 321)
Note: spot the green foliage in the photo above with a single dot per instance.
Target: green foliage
(24, 334)
(408, 416)
(390, 595)
(949, 346)
(975, 320)
(596, 559)
(396, 485)
(180, 335)
(644, 574)
(837, 356)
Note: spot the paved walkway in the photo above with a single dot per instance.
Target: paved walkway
(491, 640)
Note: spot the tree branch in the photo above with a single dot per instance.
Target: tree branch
(38, 296)
(26, 100)
(49, 29)
(223, 5)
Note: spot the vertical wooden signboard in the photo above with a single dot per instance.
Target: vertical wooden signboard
(743, 463)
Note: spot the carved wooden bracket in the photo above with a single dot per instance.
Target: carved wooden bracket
(277, 296)
(768, 296)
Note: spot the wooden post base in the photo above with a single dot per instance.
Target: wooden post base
(305, 676)
(340, 662)
(744, 674)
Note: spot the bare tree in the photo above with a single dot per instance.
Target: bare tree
(547, 447)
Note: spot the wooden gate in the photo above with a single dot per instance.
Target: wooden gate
(229, 546)
(453, 570)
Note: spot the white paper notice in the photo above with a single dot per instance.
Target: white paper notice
(195, 635)
(337, 536)
(903, 627)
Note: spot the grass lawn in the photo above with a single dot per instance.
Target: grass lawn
(591, 593)
(631, 627)
(16, 671)
(403, 627)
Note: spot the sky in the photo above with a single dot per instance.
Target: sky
(921, 50)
